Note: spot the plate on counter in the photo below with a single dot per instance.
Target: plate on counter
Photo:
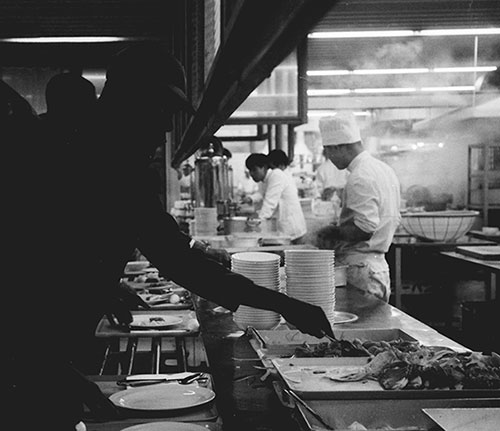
(344, 317)
(165, 426)
(154, 321)
(162, 397)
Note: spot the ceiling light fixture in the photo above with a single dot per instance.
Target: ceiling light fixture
(387, 90)
(319, 113)
(328, 92)
(402, 71)
(384, 90)
(71, 39)
(404, 33)
(455, 88)
(464, 69)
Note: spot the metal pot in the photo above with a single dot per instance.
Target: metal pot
(240, 224)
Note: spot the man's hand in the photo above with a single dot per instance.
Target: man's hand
(99, 404)
(125, 299)
(327, 236)
(307, 318)
(327, 193)
(220, 255)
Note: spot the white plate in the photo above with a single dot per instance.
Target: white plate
(166, 426)
(154, 321)
(163, 396)
(344, 317)
(257, 256)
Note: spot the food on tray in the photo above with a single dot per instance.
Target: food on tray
(157, 296)
(151, 321)
(332, 349)
(174, 298)
(422, 367)
(356, 347)
(148, 278)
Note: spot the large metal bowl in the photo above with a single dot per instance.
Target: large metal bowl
(444, 226)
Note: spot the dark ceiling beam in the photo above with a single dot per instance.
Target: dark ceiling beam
(263, 34)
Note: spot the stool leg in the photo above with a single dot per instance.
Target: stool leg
(156, 351)
(180, 348)
(131, 350)
(105, 359)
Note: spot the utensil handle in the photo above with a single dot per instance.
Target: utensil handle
(257, 334)
(309, 409)
(333, 339)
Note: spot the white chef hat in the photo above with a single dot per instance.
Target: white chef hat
(339, 129)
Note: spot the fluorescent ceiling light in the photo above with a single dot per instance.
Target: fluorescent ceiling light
(407, 71)
(387, 90)
(328, 72)
(455, 88)
(73, 39)
(464, 69)
(389, 71)
(384, 90)
(460, 32)
(404, 33)
(330, 92)
(319, 113)
(359, 34)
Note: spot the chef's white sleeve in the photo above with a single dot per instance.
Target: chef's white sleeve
(363, 202)
(272, 196)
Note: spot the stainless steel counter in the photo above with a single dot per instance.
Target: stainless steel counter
(246, 401)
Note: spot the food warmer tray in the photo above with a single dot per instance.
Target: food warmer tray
(307, 378)
(377, 414)
(280, 343)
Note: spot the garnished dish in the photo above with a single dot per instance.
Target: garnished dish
(353, 348)
(424, 367)
(148, 321)
(402, 364)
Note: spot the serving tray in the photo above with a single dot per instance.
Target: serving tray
(485, 252)
(378, 414)
(284, 342)
(307, 377)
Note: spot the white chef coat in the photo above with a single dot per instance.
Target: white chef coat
(281, 199)
(328, 175)
(372, 202)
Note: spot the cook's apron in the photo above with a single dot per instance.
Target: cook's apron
(369, 272)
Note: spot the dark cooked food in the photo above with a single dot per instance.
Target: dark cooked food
(395, 375)
(332, 349)
(403, 364)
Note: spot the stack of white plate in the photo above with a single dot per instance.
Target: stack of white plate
(205, 221)
(263, 269)
(310, 277)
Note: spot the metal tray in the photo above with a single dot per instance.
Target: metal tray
(401, 414)
(485, 252)
(307, 378)
(281, 343)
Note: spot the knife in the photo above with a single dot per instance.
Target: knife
(152, 379)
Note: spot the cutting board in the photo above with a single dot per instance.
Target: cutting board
(485, 252)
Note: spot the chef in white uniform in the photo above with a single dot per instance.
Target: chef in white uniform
(370, 211)
(280, 197)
